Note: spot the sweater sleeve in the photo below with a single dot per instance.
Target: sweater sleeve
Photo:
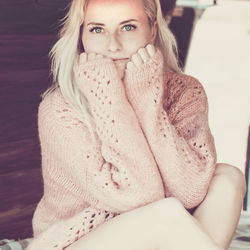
(116, 177)
(64, 232)
(176, 128)
(126, 176)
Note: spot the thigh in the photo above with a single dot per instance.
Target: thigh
(131, 230)
(161, 225)
(138, 229)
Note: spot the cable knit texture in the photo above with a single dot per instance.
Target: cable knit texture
(153, 141)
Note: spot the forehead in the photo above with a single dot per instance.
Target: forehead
(110, 9)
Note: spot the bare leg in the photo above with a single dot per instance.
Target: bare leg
(162, 225)
(180, 230)
(220, 211)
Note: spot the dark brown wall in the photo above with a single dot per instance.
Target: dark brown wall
(28, 30)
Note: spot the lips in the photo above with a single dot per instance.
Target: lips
(119, 59)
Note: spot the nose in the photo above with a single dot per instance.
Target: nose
(114, 44)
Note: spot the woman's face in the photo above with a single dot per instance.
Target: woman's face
(116, 28)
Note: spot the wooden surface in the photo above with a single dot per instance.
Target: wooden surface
(28, 29)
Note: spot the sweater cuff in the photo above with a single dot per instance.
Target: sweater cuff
(98, 74)
(137, 79)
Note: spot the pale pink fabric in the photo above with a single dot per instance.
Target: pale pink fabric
(153, 140)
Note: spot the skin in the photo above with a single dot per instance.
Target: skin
(132, 40)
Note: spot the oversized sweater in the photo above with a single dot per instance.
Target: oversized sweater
(153, 141)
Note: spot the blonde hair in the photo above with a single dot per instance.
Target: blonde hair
(65, 53)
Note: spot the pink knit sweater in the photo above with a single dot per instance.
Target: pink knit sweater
(153, 140)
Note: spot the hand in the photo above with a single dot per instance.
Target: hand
(141, 57)
(93, 68)
(85, 57)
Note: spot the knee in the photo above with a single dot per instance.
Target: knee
(230, 178)
(169, 207)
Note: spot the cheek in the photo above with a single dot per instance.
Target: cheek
(136, 42)
(92, 43)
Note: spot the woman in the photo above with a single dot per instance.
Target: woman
(128, 158)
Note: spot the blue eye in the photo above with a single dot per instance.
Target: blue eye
(129, 27)
(96, 30)
(99, 30)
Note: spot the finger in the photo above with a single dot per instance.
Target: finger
(151, 49)
(144, 54)
(99, 56)
(83, 58)
(91, 56)
(137, 60)
(130, 65)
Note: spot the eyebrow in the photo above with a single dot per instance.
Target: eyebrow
(102, 24)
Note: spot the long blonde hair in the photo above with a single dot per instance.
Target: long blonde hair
(65, 53)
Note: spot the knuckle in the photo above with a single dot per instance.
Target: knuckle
(141, 50)
(134, 57)
(150, 46)
(82, 55)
